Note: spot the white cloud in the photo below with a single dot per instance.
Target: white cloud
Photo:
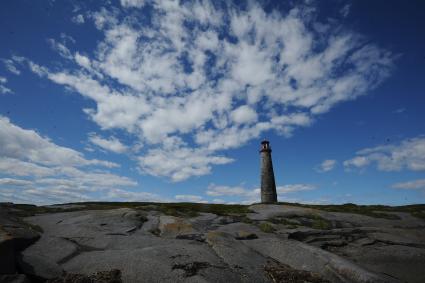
(326, 165)
(133, 3)
(13, 182)
(411, 185)
(345, 11)
(292, 188)
(66, 38)
(190, 198)
(252, 65)
(215, 191)
(179, 163)
(408, 154)
(28, 145)
(52, 173)
(114, 109)
(78, 19)
(124, 195)
(4, 90)
(17, 167)
(399, 110)
(82, 60)
(358, 161)
(182, 83)
(244, 114)
(60, 48)
(247, 196)
(111, 144)
(11, 66)
(37, 69)
(64, 191)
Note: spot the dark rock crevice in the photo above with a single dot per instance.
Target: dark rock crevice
(111, 276)
(191, 268)
(80, 249)
(15, 236)
(393, 243)
(283, 273)
(340, 238)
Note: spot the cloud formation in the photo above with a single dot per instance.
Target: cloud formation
(409, 154)
(190, 198)
(411, 185)
(110, 144)
(28, 145)
(3, 88)
(248, 196)
(10, 65)
(197, 78)
(40, 171)
(326, 166)
(78, 19)
(291, 188)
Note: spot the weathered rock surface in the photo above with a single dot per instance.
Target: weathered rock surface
(245, 261)
(14, 278)
(40, 267)
(145, 245)
(171, 226)
(266, 211)
(58, 249)
(155, 264)
(306, 257)
(280, 272)
(15, 236)
(111, 276)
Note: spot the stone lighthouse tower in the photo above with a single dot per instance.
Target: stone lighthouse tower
(268, 185)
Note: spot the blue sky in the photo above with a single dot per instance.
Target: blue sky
(138, 100)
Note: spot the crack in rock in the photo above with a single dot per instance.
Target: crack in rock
(80, 249)
(279, 272)
(192, 268)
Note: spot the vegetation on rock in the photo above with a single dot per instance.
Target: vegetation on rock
(266, 227)
(377, 211)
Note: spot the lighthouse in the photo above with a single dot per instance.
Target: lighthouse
(268, 185)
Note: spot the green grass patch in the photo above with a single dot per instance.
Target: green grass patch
(35, 227)
(310, 220)
(283, 220)
(418, 214)
(266, 227)
(314, 221)
(320, 222)
(377, 211)
(174, 209)
(193, 209)
(239, 217)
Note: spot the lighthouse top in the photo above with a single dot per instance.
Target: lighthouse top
(265, 146)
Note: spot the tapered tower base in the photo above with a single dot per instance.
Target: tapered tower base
(268, 185)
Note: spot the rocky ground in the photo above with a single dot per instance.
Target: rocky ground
(207, 243)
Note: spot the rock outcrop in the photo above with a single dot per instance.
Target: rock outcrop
(15, 236)
(273, 243)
